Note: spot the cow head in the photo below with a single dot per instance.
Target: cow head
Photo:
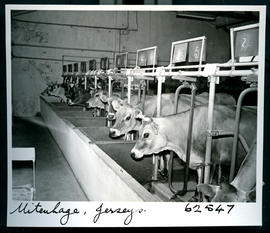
(126, 117)
(50, 87)
(151, 140)
(95, 101)
(226, 193)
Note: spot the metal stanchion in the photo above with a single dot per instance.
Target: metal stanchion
(211, 104)
(236, 131)
(193, 89)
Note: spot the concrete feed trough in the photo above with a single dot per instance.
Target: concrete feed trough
(102, 165)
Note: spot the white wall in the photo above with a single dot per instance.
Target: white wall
(39, 47)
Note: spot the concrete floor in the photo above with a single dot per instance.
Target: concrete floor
(55, 180)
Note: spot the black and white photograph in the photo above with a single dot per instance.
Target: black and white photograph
(116, 113)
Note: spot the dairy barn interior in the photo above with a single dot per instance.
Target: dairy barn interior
(97, 97)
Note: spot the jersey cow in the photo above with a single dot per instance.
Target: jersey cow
(126, 115)
(56, 90)
(241, 189)
(82, 96)
(170, 133)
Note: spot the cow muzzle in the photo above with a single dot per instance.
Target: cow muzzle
(114, 133)
(136, 154)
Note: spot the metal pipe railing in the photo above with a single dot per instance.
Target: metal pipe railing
(143, 96)
(236, 132)
(161, 79)
(221, 133)
(211, 104)
(193, 89)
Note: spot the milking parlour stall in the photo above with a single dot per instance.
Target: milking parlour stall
(142, 115)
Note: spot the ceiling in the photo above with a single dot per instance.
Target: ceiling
(222, 19)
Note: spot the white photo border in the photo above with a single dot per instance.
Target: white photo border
(145, 213)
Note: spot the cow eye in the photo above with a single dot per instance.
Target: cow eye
(127, 118)
(146, 135)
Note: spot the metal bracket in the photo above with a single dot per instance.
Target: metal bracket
(214, 79)
(161, 78)
(212, 133)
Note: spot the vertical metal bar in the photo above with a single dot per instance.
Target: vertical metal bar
(201, 54)
(95, 84)
(139, 92)
(171, 57)
(189, 138)
(62, 69)
(236, 130)
(109, 123)
(129, 88)
(232, 44)
(122, 90)
(110, 86)
(176, 96)
(137, 56)
(34, 178)
(85, 82)
(159, 92)
(170, 170)
(143, 98)
(211, 105)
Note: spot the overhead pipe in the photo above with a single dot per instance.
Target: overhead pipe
(74, 25)
(65, 48)
(41, 58)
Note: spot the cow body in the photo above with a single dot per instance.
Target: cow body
(170, 133)
(101, 100)
(241, 188)
(125, 111)
(81, 98)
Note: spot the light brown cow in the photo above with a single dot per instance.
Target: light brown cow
(170, 133)
(241, 189)
(126, 115)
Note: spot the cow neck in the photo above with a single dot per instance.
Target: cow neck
(137, 125)
(245, 178)
(176, 132)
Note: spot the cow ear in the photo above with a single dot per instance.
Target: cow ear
(138, 112)
(208, 190)
(117, 104)
(155, 127)
(103, 98)
(143, 118)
